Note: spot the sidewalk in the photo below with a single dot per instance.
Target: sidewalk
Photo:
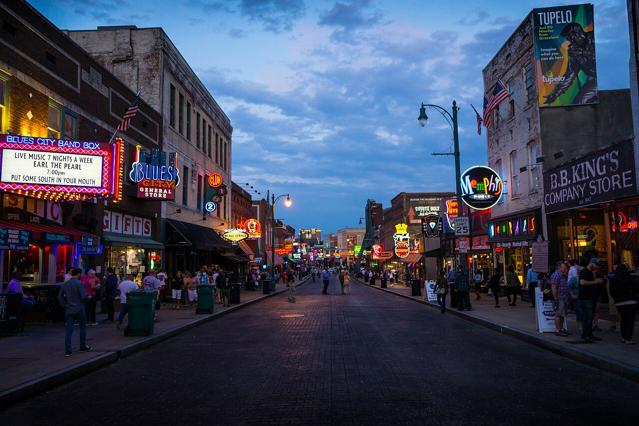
(520, 322)
(34, 361)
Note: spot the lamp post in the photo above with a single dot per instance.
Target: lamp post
(287, 202)
(452, 121)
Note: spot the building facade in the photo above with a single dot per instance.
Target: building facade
(194, 127)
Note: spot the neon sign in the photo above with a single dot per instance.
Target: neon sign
(402, 240)
(522, 227)
(481, 187)
(156, 181)
(60, 169)
(253, 228)
(452, 211)
(215, 180)
(235, 234)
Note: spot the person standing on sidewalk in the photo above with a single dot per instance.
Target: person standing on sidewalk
(531, 281)
(622, 291)
(588, 293)
(326, 278)
(462, 288)
(91, 286)
(110, 291)
(441, 289)
(125, 287)
(560, 297)
(513, 285)
(494, 284)
(223, 283)
(73, 298)
(176, 289)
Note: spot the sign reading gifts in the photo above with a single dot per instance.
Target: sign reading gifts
(119, 223)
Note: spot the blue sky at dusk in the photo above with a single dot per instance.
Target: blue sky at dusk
(324, 95)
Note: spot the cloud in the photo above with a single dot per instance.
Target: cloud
(274, 15)
(474, 18)
(348, 17)
(388, 137)
(237, 33)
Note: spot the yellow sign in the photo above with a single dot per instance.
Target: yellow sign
(235, 234)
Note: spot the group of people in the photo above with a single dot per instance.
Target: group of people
(184, 285)
(325, 275)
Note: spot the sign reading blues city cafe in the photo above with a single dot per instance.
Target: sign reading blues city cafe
(599, 177)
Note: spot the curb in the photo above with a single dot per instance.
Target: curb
(575, 354)
(60, 377)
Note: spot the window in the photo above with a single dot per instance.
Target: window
(217, 149)
(511, 108)
(514, 174)
(203, 132)
(199, 192)
(529, 84)
(209, 140)
(3, 103)
(224, 156)
(209, 148)
(197, 129)
(172, 106)
(185, 186)
(497, 116)
(181, 114)
(63, 124)
(188, 121)
(533, 167)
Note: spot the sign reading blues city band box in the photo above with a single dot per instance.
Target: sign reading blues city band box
(14, 239)
(481, 187)
(155, 178)
(596, 178)
(564, 38)
(59, 167)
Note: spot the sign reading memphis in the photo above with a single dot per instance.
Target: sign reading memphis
(602, 176)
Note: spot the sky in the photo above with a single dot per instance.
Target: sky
(324, 95)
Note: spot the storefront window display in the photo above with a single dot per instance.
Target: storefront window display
(624, 226)
(132, 260)
(580, 234)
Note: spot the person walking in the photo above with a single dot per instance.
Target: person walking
(462, 288)
(347, 282)
(291, 287)
(441, 289)
(73, 297)
(573, 288)
(91, 286)
(494, 284)
(531, 281)
(513, 286)
(588, 293)
(176, 289)
(110, 291)
(224, 286)
(326, 278)
(191, 288)
(560, 297)
(622, 291)
(126, 286)
(477, 284)
(341, 279)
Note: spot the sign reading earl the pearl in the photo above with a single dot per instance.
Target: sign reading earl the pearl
(596, 178)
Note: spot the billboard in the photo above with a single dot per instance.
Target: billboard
(565, 55)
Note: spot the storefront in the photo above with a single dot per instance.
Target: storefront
(511, 238)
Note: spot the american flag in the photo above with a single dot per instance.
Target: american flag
(499, 94)
(479, 119)
(129, 114)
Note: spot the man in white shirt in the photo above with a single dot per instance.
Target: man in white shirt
(125, 287)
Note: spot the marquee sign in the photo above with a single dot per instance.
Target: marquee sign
(481, 187)
(402, 240)
(63, 169)
(235, 234)
(156, 180)
(253, 228)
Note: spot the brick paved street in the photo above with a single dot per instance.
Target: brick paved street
(355, 359)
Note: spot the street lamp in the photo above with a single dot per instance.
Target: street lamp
(288, 202)
(452, 121)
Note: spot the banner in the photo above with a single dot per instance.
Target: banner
(566, 71)
(545, 314)
(430, 295)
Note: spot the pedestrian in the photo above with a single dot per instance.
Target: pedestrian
(513, 286)
(494, 284)
(126, 286)
(531, 281)
(560, 297)
(152, 283)
(347, 282)
(326, 278)
(477, 279)
(291, 288)
(15, 287)
(110, 291)
(91, 286)
(462, 288)
(163, 277)
(391, 277)
(622, 291)
(176, 289)
(191, 288)
(224, 286)
(573, 288)
(73, 297)
(588, 293)
(313, 275)
(441, 289)
(341, 279)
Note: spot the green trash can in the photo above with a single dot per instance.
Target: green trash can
(141, 306)
(266, 286)
(205, 299)
(272, 286)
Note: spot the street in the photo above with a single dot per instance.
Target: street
(364, 358)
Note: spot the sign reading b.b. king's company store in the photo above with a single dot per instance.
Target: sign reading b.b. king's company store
(602, 176)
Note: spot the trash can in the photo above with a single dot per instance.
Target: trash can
(266, 286)
(384, 281)
(141, 306)
(272, 286)
(205, 299)
(415, 290)
(235, 294)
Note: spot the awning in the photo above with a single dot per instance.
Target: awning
(199, 237)
(433, 253)
(246, 249)
(118, 240)
(54, 231)
(234, 257)
(412, 258)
